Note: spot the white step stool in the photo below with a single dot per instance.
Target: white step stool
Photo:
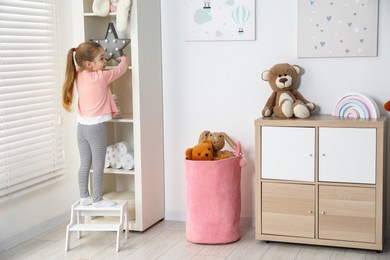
(78, 211)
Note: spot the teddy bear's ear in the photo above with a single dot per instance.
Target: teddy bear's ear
(297, 69)
(205, 141)
(189, 154)
(203, 135)
(265, 75)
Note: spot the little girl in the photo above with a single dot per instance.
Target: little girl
(96, 105)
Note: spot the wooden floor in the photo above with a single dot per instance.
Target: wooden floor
(166, 240)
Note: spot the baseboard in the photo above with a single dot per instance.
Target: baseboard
(34, 231)
(175, 215)
(247, 222)
(181, 216)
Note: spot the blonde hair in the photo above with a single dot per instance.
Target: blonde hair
(76, 58)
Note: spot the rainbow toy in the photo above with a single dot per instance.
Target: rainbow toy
(356, 105)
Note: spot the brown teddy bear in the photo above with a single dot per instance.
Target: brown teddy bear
(201, 151)
(218, 141)
(285, 101)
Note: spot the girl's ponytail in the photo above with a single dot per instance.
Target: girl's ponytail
(68, 86)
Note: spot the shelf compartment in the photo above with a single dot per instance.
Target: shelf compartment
(95, 27)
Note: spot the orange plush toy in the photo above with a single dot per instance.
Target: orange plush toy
(386, 106)
(201, 151)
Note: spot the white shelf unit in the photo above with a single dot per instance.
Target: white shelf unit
(139, 93)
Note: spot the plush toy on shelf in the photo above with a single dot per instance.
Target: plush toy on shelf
(121, 7)
(218, 141)
(285, 101)
(201, 151)
(386, 106)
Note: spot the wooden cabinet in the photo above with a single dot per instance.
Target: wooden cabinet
(321, 181)
(139, 93)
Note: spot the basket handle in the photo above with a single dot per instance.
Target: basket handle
(237, 152)
(237, 148)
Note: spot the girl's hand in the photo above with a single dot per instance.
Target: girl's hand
(119, 59)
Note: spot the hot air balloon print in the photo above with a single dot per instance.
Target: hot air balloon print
(240, 15)
(206, 4)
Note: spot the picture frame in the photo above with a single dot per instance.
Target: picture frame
(337, 28)
(228, 20)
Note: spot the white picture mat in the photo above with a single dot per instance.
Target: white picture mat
(222, 20)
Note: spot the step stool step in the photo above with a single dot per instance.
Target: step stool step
(76, 224)
(95, 227)
(101, 211)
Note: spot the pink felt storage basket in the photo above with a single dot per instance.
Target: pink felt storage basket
(214, 200)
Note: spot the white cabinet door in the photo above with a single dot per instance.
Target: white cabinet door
(347, 155)
(287, 153)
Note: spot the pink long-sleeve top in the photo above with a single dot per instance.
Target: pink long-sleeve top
(95, 97)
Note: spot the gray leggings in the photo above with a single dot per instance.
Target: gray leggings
(92, 142)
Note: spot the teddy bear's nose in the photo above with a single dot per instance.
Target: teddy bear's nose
(283, 80)
(207, 155)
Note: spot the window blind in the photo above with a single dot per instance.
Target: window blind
(31, 136)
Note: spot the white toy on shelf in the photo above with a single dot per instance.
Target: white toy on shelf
(356, 105)
(122, 8)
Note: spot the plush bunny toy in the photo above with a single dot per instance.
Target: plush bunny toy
(122, 8)
(218, 141)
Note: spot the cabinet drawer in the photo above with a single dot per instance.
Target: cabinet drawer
(347, 155)
(347, 213)
(287, 153)
(287, 209)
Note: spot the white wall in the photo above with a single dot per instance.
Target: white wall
(217, 86)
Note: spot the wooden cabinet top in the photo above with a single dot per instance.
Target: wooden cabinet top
(323, 121)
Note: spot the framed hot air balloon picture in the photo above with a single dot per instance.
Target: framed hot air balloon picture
(228, 20)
